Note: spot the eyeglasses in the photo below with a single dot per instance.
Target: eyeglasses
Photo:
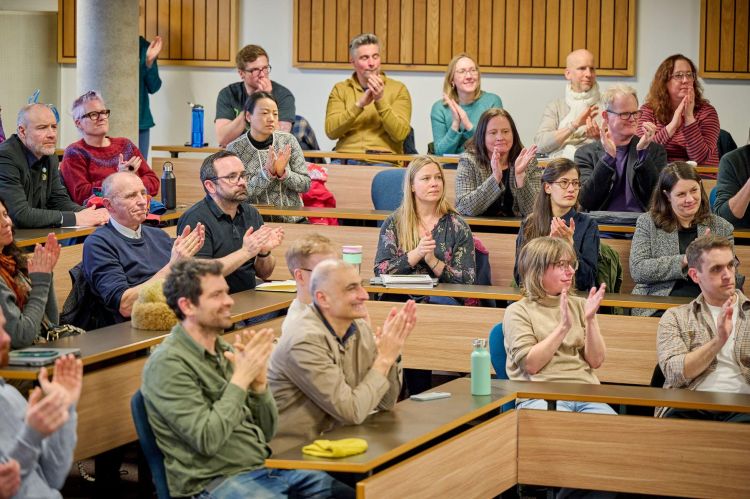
(566, 264)
(306, 270)
(257, 71)
(565, 183)
(683, 75)
(462, 72)
(95, 115)
(626, 116)
(233, 178)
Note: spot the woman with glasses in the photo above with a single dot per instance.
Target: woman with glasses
(274, 160)
(679, 214)
(686, 124)
(496, 175)
(455, 116)
(555, 215)
(89, 161)
(551, 335)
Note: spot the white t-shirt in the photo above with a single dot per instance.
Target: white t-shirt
(727, 377)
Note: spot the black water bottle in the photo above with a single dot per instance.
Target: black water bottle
(168, 186)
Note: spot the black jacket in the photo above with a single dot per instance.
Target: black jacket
(598, 178)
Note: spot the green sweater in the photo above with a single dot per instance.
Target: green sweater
(445, 139)
(205, 426)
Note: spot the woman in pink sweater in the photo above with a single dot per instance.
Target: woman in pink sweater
(89, 161)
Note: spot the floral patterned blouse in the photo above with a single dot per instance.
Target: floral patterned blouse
(454, 247)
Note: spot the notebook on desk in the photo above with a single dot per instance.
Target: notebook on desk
(410, 281)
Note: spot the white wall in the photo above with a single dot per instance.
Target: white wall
(269, 23)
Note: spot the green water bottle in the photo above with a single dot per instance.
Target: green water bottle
(480, 368)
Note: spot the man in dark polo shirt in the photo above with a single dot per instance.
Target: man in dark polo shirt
(235, 234)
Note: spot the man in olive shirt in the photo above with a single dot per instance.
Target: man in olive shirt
(208, 402)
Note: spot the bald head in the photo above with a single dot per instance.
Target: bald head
(580, 70)
(126, 199)
(325, 273)
(337, 291)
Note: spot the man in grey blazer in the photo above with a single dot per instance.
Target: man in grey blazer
(619, 172)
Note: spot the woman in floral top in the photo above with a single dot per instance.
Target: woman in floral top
(425, 235)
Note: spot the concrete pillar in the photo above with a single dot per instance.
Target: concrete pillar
(107, 59)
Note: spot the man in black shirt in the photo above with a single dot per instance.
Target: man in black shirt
(235, 234)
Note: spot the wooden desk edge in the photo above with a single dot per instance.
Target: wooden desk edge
(333, 465)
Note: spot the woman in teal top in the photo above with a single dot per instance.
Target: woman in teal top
(453, 118)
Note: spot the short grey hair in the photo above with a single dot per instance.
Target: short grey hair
(323, 272)
(23, 113)
(609, 95)
(360, 40)
(77, 108)
(108, 184)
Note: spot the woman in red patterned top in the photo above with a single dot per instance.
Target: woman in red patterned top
(687, 125)
(89, 161)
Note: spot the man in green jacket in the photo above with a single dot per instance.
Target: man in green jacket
(208, 402)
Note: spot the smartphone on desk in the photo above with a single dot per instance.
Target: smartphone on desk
(427, 396)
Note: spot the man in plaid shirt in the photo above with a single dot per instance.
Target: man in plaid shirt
(705, 345)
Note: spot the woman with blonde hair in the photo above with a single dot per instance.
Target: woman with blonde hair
(457, 113)
(686, 124)
(549, 334)
(425, 235)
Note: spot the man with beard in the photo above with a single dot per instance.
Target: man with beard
(235, 234)
(29, 176)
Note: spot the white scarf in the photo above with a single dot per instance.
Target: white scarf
(577, 102)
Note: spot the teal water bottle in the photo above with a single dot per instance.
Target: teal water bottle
(480, 368)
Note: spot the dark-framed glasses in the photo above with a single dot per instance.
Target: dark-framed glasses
(233, 178)
(258, 71)
(566, 264)
(565, 183)
(626, 116)
(95, 115)
(683, 75)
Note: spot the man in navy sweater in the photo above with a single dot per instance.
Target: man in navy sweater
(122, 256)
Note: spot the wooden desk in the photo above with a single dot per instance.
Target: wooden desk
(29, 237)
(113, 359)
(600, 452)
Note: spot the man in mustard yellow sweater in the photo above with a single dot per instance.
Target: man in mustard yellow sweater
(368, 112)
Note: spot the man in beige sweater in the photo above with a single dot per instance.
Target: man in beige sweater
(328, 367)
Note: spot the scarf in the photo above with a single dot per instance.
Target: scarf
(9, 273)
(577, 102)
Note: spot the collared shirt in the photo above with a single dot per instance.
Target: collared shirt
(350, 331)
(688, 327)
(206, 426)
(126, 231)
(224, 236)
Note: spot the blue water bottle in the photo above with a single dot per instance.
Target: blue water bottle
(196, 136)
(480, 368)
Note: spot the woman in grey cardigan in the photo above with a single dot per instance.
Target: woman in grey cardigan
(274, 159)
(26, 292)
(679, 214)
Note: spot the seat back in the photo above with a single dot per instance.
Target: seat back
(387, 189)
(497, 351)
(151, 451)
(712, 198)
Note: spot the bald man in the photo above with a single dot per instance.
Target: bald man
(30, 179)
(570, 122)
(329, 369)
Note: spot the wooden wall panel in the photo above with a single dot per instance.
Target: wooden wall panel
(505, 36)
(194, 32)
(724, 39)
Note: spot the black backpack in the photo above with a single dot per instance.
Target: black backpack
(82, 307)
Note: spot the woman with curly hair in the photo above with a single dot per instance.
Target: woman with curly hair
(686, 124)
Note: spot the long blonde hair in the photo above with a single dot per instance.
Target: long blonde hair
(448, 87)
(407, 220)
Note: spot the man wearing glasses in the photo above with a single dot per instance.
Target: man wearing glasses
(235, 234)
(619, 172)
(255, 71)
(29, 178)
(89, 161)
